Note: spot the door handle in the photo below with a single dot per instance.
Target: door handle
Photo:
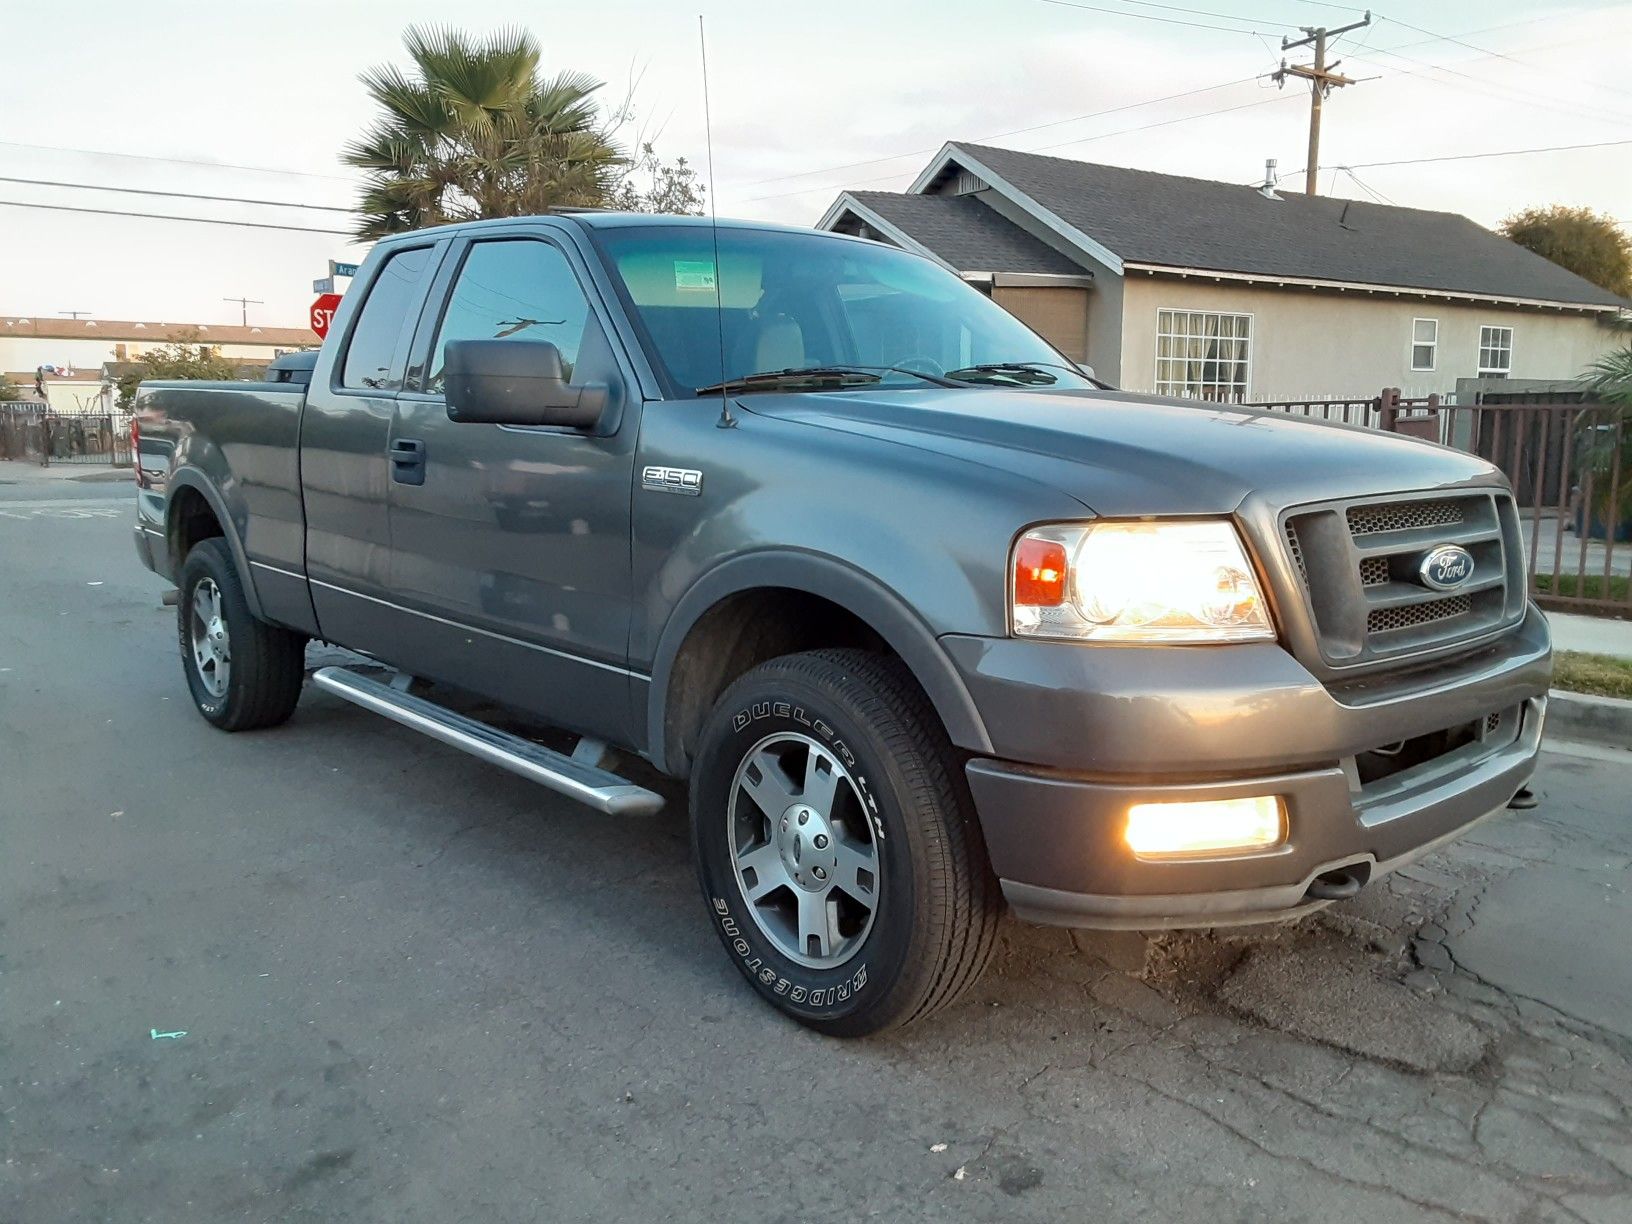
(408, 461)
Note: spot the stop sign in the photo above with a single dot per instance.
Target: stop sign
(323, 313)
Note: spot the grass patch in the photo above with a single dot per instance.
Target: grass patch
(1569, 586)
(1600, 675)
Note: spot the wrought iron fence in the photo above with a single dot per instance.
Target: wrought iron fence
(1569, 459)
(32, 430)
(1571, 470)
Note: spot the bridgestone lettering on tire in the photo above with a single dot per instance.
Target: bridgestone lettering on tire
(242, 672)
(836, 844)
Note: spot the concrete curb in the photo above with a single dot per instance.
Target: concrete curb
(1606, 721)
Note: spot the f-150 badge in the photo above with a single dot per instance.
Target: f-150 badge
(688, 482)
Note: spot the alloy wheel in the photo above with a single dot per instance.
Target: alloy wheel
(803, 850)
(212, 648)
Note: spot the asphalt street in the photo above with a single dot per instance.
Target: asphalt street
(337, 972)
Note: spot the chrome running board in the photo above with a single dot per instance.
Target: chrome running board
(576, 779)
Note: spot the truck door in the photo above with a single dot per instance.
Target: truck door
(345, 470)
(509, 545)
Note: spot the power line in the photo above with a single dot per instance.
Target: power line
(176, 195)
(113, 212)
(1490, 89)
(1179, 8)
(1198, 25)
(1079, 118)
(1036, 127)
(1037, 149)
(177, 161)
(1360, 183)
(1223, 110)
(1452, 38)
(1449, 157)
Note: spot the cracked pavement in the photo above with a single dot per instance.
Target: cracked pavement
(417, 988)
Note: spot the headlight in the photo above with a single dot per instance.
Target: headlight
(1179, 581)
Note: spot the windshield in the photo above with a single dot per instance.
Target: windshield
(798, 301)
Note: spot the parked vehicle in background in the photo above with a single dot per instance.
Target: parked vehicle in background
(928, 618)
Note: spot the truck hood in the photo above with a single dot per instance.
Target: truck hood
(1128, 455)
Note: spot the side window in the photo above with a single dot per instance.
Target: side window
(513, 289)
(371, 354)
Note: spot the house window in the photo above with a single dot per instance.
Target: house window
(1424, 343)
(1202, 353)
(1495, 352)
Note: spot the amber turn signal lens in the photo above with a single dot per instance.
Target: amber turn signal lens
(1039, 573)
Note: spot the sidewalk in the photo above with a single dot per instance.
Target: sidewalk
(1593, 634)
(29, 471)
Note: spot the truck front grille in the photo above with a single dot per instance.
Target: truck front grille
(1369, 520)
(1386, 620)
(1359, 563)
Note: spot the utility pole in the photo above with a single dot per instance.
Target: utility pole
(243, 305)
(1321, 80)
(76, 314)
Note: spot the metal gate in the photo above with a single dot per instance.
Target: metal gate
(47, 436)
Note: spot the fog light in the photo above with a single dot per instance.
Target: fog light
(1212, 827)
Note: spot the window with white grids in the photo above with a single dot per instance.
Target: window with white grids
(1203, 353)
(1495, 352)
(1424, 343)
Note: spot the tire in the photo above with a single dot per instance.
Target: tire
(258, 681)
(884, 944)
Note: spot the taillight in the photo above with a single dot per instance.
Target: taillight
(136, 450)
(1039, 573)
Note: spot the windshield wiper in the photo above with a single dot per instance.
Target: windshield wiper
(838, 375)
(1027, 373)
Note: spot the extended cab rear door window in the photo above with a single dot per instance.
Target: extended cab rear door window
(375, 351)
(513, 289)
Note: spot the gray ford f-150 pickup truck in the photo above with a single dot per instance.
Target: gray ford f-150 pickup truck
(930, 619)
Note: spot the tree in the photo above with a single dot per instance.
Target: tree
(671, 187)
(9, 390)
(474, 131)
(1609, 442)
(183, 357)
(1588, 243)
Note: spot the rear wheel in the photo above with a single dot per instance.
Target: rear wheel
(242, 672)
(837, 846)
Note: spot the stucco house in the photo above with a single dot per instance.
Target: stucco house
(82, 347)
(1188, 286)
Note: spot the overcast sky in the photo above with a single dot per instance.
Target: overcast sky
(798, 90)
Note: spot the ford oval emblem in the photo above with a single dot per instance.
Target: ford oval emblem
(1447, 567)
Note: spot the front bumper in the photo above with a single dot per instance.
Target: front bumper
(1170, 724)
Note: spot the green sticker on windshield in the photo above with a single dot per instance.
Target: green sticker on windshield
(693, 274)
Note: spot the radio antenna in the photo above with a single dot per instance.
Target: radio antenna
(726, 421)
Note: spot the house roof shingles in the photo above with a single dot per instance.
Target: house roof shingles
(967, 234)
(1174, 221)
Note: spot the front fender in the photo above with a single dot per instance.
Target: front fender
(823, 576)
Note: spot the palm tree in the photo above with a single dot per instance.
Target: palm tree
(1609, 441)
(475, 132)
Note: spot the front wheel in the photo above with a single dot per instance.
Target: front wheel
(242, 672)
(837, 846)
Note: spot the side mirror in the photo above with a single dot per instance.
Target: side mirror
(516, 382)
